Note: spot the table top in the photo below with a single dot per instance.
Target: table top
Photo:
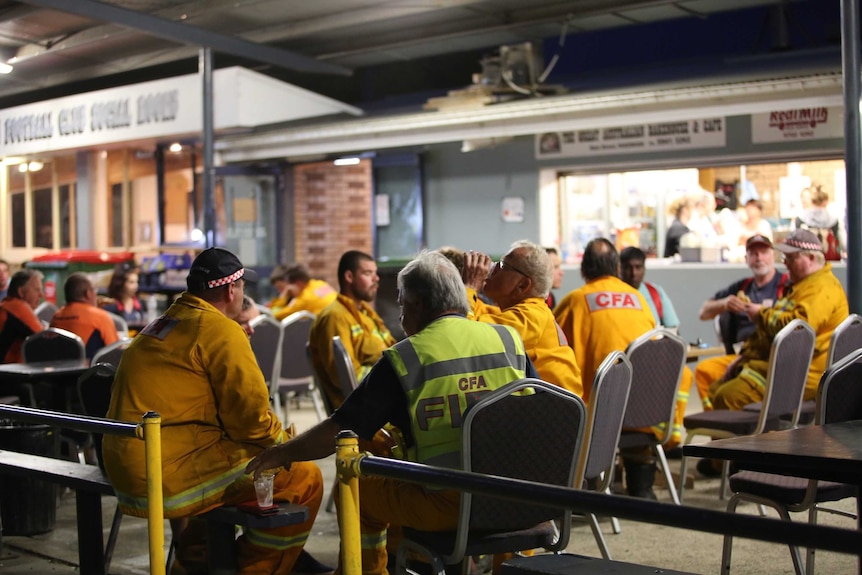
(695, 353)
(18, 372)
(831, 452)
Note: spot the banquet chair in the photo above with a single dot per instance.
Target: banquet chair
(112, 353)
(839, 398)
(343, 367)
(657, 359)
(120, 324)
(347, 382)
(266, 345)
(789, 361)
(50, 344)
(45, 312)
(528, 429)
(846, 338)
(608, 399)
(296, 375)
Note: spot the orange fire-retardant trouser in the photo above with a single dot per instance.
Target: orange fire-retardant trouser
(385, 502)
(708, 371)
(263, 551)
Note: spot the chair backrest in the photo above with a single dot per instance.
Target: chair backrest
(657, 358)
(846, 338)
(112, 353)
(94, 393)
(343, 367)
(789, 360)
(294, 361)
(266, 345)
(608, 399)
(45, 311)
(121, 325)
(839, 397)
(52, 344)
(536, 437)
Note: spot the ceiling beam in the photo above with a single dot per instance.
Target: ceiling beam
(187, 34)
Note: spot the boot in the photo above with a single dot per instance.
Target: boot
(639, 479)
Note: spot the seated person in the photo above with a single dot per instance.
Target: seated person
(732, 304)
(248, 312)
(633, 269)
(350, 316)
(123, 290)
(194, 366)
(433, 309)
(815, 296)
(519, 284)
(18, 319)
(82, 317)
(278, 280)
(303, 293)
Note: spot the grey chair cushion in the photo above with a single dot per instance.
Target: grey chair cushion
(738, 422)
(787, 490)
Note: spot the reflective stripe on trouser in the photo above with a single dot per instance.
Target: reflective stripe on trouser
(708, 371)
(747, 387)
(264, 551)
(385, 501)
(679, 411)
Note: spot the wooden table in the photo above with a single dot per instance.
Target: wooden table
(831, 452)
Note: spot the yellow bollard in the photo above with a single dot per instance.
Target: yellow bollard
(347, 452)
(155, 505)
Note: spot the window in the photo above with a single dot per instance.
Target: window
(19, 220)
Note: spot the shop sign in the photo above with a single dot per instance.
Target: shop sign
(791, 124)
(635, 138)
(147, 110)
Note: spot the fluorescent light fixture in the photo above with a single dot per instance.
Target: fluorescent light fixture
(22, 167)
(176, 147)
(35, 166)
(346, 161)
(5, 68)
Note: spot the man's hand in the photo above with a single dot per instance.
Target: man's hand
(752, 309)
(734, 304)
(270, 458)
(476, 268)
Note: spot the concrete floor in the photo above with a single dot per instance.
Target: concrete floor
(670, 548)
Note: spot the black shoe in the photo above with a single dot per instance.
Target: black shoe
(707, 468)
(308, 565)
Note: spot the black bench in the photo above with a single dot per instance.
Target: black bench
(89, 483)
(568, 564)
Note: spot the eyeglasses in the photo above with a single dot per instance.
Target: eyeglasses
(503, 265)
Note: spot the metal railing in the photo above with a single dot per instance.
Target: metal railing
(148, 430)
(351, 465)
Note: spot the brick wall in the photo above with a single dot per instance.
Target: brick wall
(333, 214)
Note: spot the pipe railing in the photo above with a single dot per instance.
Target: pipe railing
(351, 465)
(148, 430)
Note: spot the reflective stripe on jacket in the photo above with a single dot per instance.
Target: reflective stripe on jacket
(443, 369)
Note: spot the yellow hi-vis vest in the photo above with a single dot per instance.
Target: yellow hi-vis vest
(443, 369)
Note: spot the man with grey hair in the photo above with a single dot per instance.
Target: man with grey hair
(815, 295)
(519, 284)
(467, 359)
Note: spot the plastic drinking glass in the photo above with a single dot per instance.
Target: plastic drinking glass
(263, 489)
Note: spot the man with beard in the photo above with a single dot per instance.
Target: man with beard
(735, 304)
(350, 316)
